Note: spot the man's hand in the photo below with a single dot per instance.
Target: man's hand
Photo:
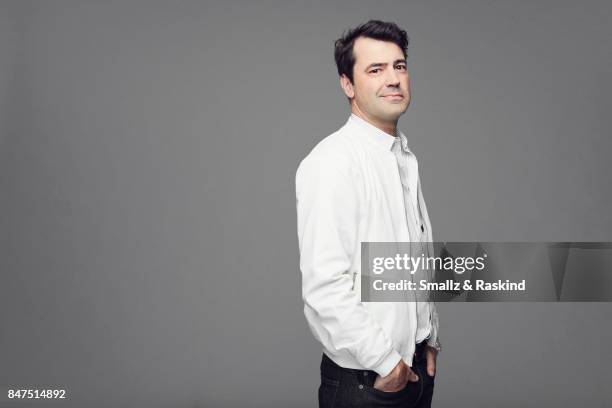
(397, 379)
(431, 355)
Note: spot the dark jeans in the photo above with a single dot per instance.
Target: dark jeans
(345, 387)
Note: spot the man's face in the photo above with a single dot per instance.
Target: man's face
(381, 83)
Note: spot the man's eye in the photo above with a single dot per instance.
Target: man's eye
(374, 71)
(401, 67)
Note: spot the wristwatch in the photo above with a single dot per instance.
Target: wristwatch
(436, 345)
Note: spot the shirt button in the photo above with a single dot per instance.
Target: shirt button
(361, 386)
(365, 374)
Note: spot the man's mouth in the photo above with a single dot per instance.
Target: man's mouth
(395, 96)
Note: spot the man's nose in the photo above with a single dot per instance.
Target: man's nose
(392, 78)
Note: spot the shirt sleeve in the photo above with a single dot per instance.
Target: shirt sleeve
(434, 339)
(328, 216)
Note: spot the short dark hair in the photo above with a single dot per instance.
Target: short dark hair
(376, 29)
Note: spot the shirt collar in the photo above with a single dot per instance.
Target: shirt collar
(382, 138)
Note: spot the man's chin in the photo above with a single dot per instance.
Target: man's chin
(394, 109)
(393, 115)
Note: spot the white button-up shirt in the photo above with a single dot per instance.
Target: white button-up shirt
(409, 175)
(349, 191)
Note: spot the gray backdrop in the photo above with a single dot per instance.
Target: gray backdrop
(147, 159)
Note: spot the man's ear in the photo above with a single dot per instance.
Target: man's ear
(347, 86)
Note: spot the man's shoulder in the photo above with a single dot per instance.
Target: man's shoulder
(336, 150)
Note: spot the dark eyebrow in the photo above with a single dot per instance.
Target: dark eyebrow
(384, 64)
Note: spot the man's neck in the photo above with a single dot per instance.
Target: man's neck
(389, 128)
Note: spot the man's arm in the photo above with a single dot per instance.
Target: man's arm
(328, 216)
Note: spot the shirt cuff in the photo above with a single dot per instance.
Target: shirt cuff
(385, 367)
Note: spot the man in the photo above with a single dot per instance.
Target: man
(361, 184)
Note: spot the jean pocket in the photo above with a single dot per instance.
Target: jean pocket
(409, 395)
(328, 391)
